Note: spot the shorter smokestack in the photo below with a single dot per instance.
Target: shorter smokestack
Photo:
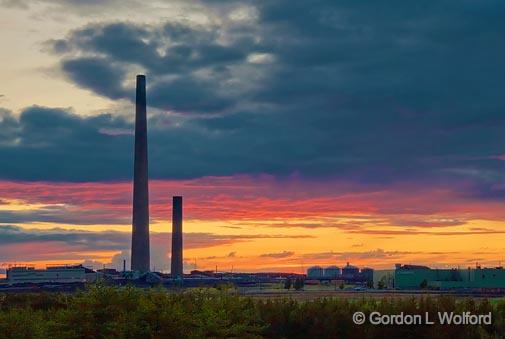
(176, 263)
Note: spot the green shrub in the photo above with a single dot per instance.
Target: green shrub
(126, 312)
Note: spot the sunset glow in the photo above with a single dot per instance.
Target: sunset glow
(252, 224)
(316, 133)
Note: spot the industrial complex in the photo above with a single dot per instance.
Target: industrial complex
(348, 274)
(62, 274)
(423, 277)
(403, 277)
(140, 260)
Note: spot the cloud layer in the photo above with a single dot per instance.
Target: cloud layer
(357, 118)
(21, 244)
(320, 88)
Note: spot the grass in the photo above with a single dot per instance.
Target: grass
(109, 312)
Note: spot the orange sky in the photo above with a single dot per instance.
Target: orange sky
(252, 224)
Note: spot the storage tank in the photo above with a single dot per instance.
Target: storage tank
(350, 271)
(315, 272)
(367, 274)
(331, 272)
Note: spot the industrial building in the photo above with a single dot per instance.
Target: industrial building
(349, 274)
(315, 272)
(349, 271)
(53, 274)
(420, 277)
(367, 273)
(331, 272)
(384, 279)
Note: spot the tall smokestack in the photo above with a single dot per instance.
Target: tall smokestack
(176, 264)
(140, 220)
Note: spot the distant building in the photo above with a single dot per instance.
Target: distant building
(350, 272)
(367, 274)
(108, 271)
(315, 272)
(416, 277)
(384, 279)
(60, 274)
(331, 272)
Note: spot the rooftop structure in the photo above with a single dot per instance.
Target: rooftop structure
(349, 271)
(416, 277)
(315, 272)
(331, 272)
(60, 274)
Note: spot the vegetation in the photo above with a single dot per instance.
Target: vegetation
(298, 284)
(110, 312)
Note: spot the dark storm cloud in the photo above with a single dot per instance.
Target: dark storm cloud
(62, 215)
(48, 144)
(353, 89)
(97, 73)
(187, 95)
(84, 240)
(171, 53)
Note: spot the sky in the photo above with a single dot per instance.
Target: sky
(299, 133)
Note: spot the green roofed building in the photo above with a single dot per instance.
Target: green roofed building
(417, 277)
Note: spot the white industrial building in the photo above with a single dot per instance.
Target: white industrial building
(61, 274)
